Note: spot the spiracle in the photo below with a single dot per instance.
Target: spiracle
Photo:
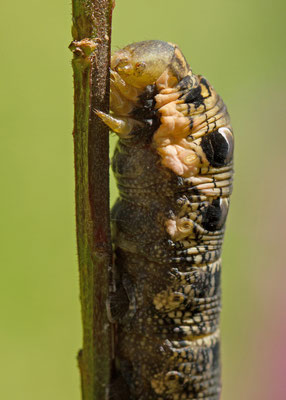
(173, 167)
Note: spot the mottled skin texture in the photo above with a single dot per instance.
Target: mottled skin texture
(173, 166)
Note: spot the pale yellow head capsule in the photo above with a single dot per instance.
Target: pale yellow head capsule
(135, 67)
(141, 64)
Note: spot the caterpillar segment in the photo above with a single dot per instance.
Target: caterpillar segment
(173, 166)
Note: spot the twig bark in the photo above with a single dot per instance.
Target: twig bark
(91, 47)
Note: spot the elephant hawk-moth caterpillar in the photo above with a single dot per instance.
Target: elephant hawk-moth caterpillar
(173, 166)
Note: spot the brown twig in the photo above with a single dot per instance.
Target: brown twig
(91, 47)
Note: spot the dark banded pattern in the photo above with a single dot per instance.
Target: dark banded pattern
(173, 166)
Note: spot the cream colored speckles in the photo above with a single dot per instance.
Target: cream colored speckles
(174, 171)
(167, 300)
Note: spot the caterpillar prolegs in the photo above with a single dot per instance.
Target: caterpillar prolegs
(173, 166)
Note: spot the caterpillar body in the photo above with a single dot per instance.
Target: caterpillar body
(173, 166)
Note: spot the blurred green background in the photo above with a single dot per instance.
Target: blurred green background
(240, 47)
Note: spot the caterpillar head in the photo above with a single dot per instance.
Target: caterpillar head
(133, 69)
(141, 64)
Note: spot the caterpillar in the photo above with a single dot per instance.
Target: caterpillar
(173, 166)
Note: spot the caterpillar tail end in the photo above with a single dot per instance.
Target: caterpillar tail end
(121, 126)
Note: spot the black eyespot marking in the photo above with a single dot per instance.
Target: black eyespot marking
(168, 228)
(218, 147)
(215, 215)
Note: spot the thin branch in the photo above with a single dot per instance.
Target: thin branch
(91, 47)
